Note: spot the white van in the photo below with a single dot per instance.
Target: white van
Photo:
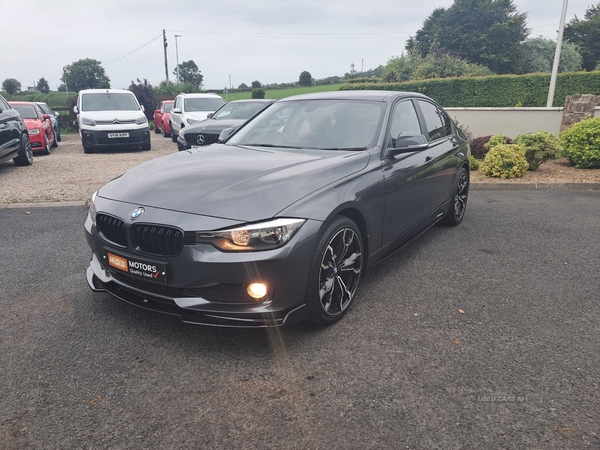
(110, 118)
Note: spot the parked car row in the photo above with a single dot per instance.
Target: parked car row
(26, 128)
(14, 137)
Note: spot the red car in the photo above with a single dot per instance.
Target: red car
(39, 126)
(161, 118)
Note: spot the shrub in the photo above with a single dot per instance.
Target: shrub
(539, 147)
(581, 143)
(505, 161)
(258, 93)
(497, 139)
(473, 163)
(478, 149)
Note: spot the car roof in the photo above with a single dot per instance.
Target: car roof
(374, 95)
(22, 103)
(107, 91)
(199, 94)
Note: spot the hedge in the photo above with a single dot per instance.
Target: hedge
(497, 90)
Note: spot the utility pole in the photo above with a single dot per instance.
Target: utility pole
(166, 64)
(229, 81)
(177, 55)
(557, 55)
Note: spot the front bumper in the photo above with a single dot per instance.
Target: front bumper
(99, 138)
(204, 284)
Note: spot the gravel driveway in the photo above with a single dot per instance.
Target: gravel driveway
(68, 174)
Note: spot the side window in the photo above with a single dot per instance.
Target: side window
(433, 120)
(404, 118)
(3, 105)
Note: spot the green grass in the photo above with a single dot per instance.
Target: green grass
(282, 93)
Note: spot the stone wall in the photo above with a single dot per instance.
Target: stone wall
(578, 107)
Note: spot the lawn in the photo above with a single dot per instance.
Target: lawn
(282, 93)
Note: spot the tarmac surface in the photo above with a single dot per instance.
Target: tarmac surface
(483, 336)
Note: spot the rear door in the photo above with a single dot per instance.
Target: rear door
(444, 147)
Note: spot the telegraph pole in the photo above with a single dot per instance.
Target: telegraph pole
(166, 64)
(557, 55)
(177, 55)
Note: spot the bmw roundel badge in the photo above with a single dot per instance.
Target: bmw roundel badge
(137, 212)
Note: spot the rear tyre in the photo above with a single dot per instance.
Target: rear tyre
(164, 132)
(156, 129)
(173, 136)
(25, 155)
(335, 272)
(54, 142)
(458, 203)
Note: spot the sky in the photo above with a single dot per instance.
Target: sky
(231, 41)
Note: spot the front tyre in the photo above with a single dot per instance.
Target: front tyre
(173, 136)
(335, 272)
(25, 155)
(458, 203)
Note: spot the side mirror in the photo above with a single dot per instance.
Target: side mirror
(75, 109)
(56, 113)
(410, 142)
(175, 111)
(226, 133)
(209, 115)
(46, 116)
(143, 109)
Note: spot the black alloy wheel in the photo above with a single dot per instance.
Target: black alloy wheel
(335, 272)
(458, 203)
(25, 155)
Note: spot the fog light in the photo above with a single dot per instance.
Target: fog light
(257, 290)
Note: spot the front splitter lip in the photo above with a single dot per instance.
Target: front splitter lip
(100, 281)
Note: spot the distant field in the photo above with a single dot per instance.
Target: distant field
(282, 93)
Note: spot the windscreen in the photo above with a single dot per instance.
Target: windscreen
(203, 104)
(239, 110)
(105, 101)
(315, 124)
(26, 111)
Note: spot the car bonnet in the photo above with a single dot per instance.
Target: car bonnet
(237, 183)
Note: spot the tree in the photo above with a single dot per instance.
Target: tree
(189, 73)
(256, 84)
(43, 86)
(586, 35)
(398, 69)
(11, 86)
(484, 32)
(537, 55)
(62, 88)
(305, 79)
(442, 64)
(243, 86)
(146, 96)
(85, 74)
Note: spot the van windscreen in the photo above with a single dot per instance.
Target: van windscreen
(105, 101)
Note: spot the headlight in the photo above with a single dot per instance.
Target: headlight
(89, 122)
(193, 121)
(255, 237)
(34, 131)
(93, 210)
(141, 120)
